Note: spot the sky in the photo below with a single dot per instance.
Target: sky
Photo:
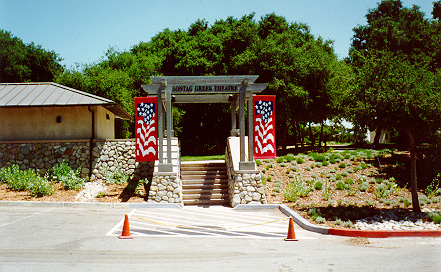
(81, 31)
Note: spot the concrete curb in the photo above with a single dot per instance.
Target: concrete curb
(89, 205)
(384, 233)
(302, 222)
(256, 206)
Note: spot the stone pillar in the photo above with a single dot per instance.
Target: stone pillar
(166, 188)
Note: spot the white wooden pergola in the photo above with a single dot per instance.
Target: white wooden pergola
(205, 89)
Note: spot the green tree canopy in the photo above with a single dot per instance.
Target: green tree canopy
(396, 59)
(21, 62)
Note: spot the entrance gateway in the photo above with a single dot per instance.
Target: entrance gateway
(235, 90)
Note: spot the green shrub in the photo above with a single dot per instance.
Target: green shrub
(320, 220)
(382, 191)
(340, 185)
(424, 200)
(348, 224)
(276, 189)
(338, 221)
(332, 171)
(116, 177)
(70, 179)
(338, 176)
(318, 164)
(289, 157)
(30, 180)
(364, 186)
(294, 168)
(282, 164)
(433, 188)
(291, 176)
(342, 165)
(308, 168)
(435, 217)
(318, 185)
(296, 189)
(299, 160)
(325, 163)
(268, 178)
(258, 162)
(350, 171)
(357, 168)
(344, 173)
(349, 181)
(279, 160)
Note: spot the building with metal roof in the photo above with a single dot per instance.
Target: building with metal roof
(50, 111)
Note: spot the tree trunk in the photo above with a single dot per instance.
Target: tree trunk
(296, 133)
(413, 173)
(377, 138)
(284, 135)
(311, 135)
(321, 134)
(302, 136)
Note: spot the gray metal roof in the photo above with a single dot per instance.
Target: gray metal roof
(52, 94)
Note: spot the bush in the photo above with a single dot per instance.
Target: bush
(342, 165)
(340, 185)
(294, 168)
(118, 176)
(30, 180)
(344, 174)
(364, 186)
(279, 160)
(318, 185)
(70, 179)
(435, 217)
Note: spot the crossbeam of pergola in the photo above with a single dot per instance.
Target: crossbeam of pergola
(205, 89)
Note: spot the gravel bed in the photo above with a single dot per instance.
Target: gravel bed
(90, 191)
(390, 220)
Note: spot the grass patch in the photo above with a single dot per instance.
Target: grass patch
(203, 158)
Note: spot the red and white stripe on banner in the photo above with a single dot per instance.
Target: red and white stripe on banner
(146, 128)
(264, 126)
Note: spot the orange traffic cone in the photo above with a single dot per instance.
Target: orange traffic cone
(291, 233)
(126, 230)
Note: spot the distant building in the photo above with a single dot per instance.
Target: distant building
(50, 111)
(385, 137)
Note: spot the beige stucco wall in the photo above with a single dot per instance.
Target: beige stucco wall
(40, 123)
(104, 128)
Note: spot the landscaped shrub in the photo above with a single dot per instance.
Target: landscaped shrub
(342, 165)
(364, 186)
(117, 176)
(318, 185)
(30, 180)
(435, 217)
(70, 179)
(340, 185)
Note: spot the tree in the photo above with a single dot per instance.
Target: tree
(26, 63)
(398, 75)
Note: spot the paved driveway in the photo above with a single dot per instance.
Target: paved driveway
(84, 239)
(215, 221)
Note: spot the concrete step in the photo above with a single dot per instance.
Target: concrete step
(192, 191)
(203, 173)
(206, 202)
(205, 196)
(208, 186)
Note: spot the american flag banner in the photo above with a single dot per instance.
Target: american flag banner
(264, 126)
(146, 128)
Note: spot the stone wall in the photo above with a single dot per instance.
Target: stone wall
(106, 154)
(166, 188)
(244, 187)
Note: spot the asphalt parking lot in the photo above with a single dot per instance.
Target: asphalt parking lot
(85, 239)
